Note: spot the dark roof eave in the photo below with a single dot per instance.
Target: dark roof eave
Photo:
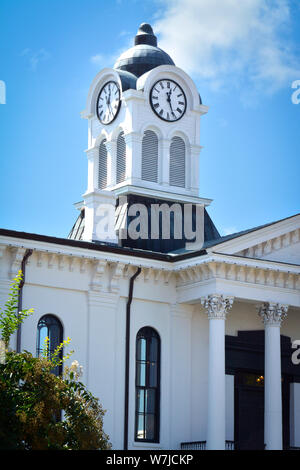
(130, 251)
(106, 248)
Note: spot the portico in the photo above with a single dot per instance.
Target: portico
(217, 307)
(269, 287)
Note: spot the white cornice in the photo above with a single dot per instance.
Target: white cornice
(130, 259)
(160, 194)
(234, 259)
(79, 205)
(85, 115)
(131, 94)
(251, 291)
(202, 109)
(235, 271)
(255, 262)
(245, 274)
(84, 253)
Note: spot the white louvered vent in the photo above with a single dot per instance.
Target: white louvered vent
(102, 168)
(177, 162)
(121, 158)
(150, 156)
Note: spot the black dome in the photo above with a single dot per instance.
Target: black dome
(145, 55)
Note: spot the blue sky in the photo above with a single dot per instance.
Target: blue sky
(243, 57)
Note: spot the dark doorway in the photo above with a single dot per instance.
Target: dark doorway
(249, 411)
(245, 360)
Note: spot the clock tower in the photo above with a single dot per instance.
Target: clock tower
(143, 141)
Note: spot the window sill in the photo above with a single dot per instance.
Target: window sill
(146, 445)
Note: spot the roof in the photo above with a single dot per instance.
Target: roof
(232, 236)
(245, 232)
(144, 56)
(172, 247)
(112, 248)
(141, 58)
(211, 235)
(104, 247)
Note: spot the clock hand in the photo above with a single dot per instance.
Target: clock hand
(109, 109)
(169, 101)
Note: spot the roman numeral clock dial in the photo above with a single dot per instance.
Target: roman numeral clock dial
(168, 100)
(108, 103)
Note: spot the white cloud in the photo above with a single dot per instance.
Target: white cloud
(99, 60)
(102, 60)
(108, 60)
(35, 57)
(242, 43)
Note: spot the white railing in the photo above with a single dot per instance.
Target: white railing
(201, 445)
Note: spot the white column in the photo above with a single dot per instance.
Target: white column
(272, 316)
(133, 157)
(217, 307)
(92, 154)
(165, 162)
(111, 147)
(193, 169)
(100, 216)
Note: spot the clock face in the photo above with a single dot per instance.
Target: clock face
(108, 103)
(168, 100)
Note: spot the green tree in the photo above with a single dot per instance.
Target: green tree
(39, 410)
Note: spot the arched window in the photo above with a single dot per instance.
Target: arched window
(121, 158)
(49, 326)
(147, 385)
(150, 156)
(177, 162)
(102, 167)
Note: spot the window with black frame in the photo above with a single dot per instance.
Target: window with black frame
(147, 385)
(49, 326)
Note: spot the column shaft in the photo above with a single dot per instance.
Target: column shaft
(273, 396)
(216, 385)
(217, 307)
(111, 147)
(272, 316)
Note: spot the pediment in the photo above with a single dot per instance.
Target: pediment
(279, 241)
(285, 249)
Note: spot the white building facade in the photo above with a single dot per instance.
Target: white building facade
(184, 348)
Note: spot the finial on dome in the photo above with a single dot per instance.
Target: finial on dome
(145, 28)
(145, 35)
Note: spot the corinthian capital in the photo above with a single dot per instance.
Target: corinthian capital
(217, 305)
(272, 314)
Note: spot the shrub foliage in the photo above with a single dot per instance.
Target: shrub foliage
(39, 410)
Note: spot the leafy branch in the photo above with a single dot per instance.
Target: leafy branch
(10, 317)
(55, 359)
